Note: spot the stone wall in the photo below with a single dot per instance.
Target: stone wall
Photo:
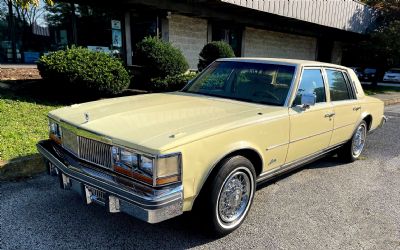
(189, 34)
(264, 43)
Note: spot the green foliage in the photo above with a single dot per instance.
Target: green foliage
(213, 51)
(160, 59)
(171, 83)
(23, 123)
(84, 70)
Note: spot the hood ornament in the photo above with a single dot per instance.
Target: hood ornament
(87, 118)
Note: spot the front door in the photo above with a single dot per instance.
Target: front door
(311, 128)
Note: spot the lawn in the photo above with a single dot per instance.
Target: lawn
(371, 90)
(23, 123)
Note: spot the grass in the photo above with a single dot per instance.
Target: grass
(371, 90)
(23, 123)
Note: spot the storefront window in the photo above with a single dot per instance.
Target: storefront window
(42, 29)
(231, 35)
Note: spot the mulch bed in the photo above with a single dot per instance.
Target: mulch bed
(19, 74)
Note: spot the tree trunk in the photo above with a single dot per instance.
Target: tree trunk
(12, 31)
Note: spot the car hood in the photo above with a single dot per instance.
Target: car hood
(158, 122)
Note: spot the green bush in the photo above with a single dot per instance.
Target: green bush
(171, 83)
(212, 51)
(84, 70)
(160, 59)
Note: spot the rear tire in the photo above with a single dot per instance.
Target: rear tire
(230, 196)
(352, 150)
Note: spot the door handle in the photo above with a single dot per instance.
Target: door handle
(356, 108)
(329, 115)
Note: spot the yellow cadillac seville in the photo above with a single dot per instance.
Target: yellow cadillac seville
(240, 122)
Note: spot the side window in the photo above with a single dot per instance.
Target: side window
(312, 83)
(338, 86)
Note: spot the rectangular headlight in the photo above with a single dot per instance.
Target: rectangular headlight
(160, 170)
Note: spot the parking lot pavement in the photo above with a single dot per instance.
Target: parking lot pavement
(326, 205)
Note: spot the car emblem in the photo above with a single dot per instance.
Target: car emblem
(87, 118)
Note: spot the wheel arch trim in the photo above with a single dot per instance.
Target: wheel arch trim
(220, 159)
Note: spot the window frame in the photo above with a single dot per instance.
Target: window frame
(350, 87)
(324, 80)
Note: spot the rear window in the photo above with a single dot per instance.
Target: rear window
(369, 71)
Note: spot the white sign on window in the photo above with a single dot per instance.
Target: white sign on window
(115, 24)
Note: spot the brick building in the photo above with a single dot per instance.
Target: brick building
(301, 29)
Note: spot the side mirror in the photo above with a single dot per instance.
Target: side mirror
(307, 100)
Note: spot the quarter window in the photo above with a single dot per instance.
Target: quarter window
(311, 83)
(338, 87)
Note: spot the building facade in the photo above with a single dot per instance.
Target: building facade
(299, 29)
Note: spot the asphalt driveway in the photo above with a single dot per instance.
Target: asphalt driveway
(326, 205)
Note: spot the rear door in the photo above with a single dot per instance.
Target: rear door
(345, 105)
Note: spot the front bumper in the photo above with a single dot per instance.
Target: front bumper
(116, 193)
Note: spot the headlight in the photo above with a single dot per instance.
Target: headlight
(159, 171)
(55, 131)
(146, 165)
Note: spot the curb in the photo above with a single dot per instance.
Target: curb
(391, 101)
(21, 168)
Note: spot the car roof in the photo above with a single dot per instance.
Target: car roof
(295, 62)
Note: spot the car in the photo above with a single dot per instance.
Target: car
(358, 72)
(392, 75)
(369, 74)
(240, 122)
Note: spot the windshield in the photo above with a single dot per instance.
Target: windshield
(251, 82)
(369, 71)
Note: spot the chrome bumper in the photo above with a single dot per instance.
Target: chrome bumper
(116, 193)
(383, 121)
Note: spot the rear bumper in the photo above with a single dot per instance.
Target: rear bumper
(116, 193)
(383, 121)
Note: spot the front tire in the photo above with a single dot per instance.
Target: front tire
(231, 195)
(352, 150)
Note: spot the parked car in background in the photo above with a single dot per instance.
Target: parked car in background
(240, 122)
(358, 72)
(369, 74)
(392, 75)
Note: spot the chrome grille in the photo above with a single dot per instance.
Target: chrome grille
(70, 141)
(87, 149)
(95, 151)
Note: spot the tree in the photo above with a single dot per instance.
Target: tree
(26, 4)
(382, 49)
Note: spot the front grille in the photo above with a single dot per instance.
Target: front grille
(87, 149)
(95, 151)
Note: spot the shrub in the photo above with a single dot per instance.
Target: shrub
(160, 58)
(212, 51)
(171, 83)
(79, 68)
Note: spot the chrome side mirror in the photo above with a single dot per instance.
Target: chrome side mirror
(307, 100)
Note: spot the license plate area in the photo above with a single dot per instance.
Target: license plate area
(94, 195)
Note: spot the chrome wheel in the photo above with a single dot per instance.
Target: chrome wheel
(358, 141)
(234, 197)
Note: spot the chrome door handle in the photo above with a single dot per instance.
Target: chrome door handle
(329, 115)
(356, 108)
